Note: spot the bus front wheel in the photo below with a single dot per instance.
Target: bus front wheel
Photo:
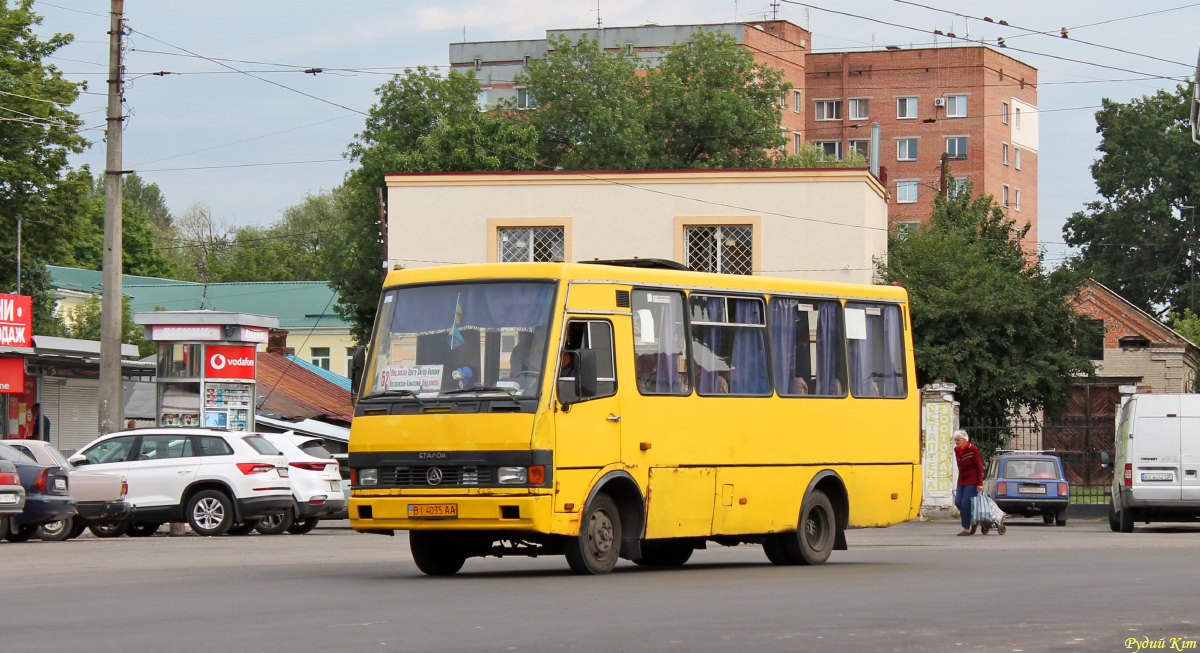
(813, 540)
(434, 553)
(595, 549)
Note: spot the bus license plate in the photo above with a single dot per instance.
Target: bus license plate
(433, 511)
(1041, 489)
(1158, 477)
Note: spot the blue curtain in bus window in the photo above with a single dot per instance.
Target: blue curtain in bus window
(876, 350)
(829, 359)
(784, 317)
(709, 344)
(894, 381)
(432, 309)
(748, 375)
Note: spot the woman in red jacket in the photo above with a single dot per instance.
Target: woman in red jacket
(970, 478)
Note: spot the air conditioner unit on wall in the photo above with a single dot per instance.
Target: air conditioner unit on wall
(939, 101)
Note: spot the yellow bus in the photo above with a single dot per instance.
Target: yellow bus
(632, 409)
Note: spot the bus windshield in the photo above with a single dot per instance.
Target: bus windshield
(462, 338)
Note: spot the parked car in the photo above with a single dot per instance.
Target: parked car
(344, 469)
(210, 478)
(1029, 483)
(98, 497)
(1157, 461)
(47, 495)
(12, 495)
(316, 485)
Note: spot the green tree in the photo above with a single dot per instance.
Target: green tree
(1140, 240)
(984, 315)
(712, 105)
(37, 134)
(291, 249)
(592, 110)
(84, 324)
(142, 250)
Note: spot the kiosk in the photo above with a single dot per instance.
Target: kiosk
(206, 366)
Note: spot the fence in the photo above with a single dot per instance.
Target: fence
(1077, 441)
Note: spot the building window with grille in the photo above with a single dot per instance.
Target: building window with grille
(956, 106)
(906, 149)
(530, 244)
(859, 109)
(726, 249)
(906, 191)
(832, 149)
(319, 356)
(829, 109)
(956, 147)
(906, 107)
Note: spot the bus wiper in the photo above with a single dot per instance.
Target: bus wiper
(409, 394)
(482, 388)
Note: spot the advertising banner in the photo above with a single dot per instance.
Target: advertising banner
(16, 321)
(229, 362)
(938, 457)
(12, 374)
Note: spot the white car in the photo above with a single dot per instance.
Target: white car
(210, 478)
(1157, 473)
(316, 485)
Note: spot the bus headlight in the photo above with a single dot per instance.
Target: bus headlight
(368, 476)
(513, 475)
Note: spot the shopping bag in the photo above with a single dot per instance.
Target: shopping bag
(981, 509)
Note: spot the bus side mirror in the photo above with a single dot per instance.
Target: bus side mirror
(585, 373)
(357, 363)
(1105, 459)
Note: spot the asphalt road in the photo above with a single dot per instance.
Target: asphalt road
(913, 587)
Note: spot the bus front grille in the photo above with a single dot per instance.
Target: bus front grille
(450, 475)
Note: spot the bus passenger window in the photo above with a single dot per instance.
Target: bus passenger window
(806, 343)
(875, 336)
(596, 335)
(729, 348)
(659, 343)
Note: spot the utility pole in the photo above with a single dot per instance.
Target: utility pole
(18, 255)
(112, 395)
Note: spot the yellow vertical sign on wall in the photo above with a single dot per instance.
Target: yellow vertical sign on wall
(938, 458)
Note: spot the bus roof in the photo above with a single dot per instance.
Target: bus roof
(641, 277)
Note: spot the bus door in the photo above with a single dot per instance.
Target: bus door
(587, 430)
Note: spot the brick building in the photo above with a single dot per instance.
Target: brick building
(975, 103)
(1137, 349)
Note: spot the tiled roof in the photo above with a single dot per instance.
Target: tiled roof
(291, 390)
(295, 303)
(337, 379)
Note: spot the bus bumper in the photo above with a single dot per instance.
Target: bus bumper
(477, 513)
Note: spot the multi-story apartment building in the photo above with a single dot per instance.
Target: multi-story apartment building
(976, 104)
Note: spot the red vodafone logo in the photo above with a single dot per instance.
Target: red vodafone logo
(229, 362)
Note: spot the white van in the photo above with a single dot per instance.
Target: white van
(1157, 461)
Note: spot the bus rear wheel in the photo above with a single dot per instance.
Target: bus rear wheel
(596, 548)
(435, 554)
(813, 540)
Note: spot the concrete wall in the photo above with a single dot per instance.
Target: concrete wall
(817, 224)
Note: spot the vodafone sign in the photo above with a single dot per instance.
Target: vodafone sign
(228, 362)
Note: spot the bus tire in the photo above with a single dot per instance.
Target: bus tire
(815, 534)
(664, 553)
(434, 553)
(776, 549)
(596, 549)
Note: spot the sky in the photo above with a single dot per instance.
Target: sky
(210, 116)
